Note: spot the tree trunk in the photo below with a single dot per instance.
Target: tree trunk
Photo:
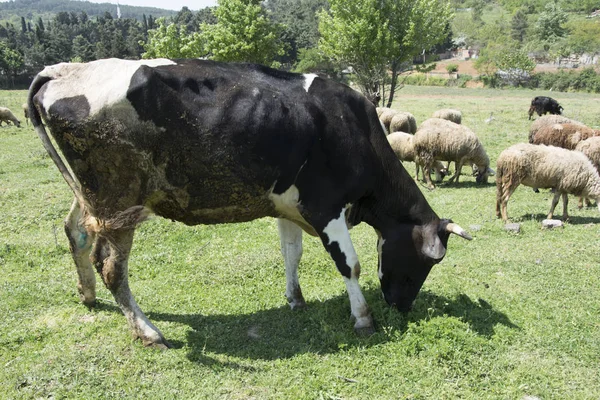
(393, 84)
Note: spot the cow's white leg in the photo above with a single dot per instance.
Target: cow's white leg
(336, 238)
(80, 244)
(290, 237)
(110, 256)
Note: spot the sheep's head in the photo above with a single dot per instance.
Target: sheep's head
(482, 173)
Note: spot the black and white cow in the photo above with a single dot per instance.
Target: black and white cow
(543, 105)
(203, 142)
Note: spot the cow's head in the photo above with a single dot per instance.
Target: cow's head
(406, 255)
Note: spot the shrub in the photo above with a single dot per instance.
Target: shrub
(452, 68)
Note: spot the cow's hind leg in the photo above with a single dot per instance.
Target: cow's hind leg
(80, 244)
(336, 239)
(290, 236)
(110, 257)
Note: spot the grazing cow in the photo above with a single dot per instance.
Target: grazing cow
(203, 142)
(543, 105)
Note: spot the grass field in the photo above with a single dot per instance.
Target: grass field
(505, 316)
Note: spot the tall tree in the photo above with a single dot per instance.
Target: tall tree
(300, 24)
(172, 41)
(11, 61)
(518, 25)
(243, 32)
(550, 24)
(377, 36)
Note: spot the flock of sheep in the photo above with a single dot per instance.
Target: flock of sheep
(562, 154)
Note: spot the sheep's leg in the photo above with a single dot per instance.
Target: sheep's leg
(565, 199)
(110, 255)
(417, 167)
(582, 200)
(290, 236)
(506, 190)
(80, 244)
(553, 204)
(458, 165)
(427, 176)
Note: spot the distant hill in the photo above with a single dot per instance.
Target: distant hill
(13, 10)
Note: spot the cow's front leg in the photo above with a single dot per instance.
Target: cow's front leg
(110, 256)
(290, 237)
(80, 243)
(336, 239)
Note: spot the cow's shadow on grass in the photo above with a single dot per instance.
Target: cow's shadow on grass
(324, 327)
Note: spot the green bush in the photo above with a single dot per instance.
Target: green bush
(424, 80)
(587, 80)
(452, 68)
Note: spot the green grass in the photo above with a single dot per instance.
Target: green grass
(502, 317)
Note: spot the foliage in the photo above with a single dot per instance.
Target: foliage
(376, 36)
(486, 63)
(587, 80)
(584, 36)
(515, 66)
(172, 41)
(32, 9)
(311, 60)
(243, 32)
(550, 27)
(451, 68)
(11, 62)
(518, 25)
(300, 27)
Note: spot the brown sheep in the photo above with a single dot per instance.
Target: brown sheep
(563, 135)
(549, 120)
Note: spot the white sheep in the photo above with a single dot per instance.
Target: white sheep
(549, 120)
(591, 148)
(448, 114)
(386, 118)
(7, 116)
(568, 171)
(402, 144)
(403, 121)
(25, 108)
(443, 140)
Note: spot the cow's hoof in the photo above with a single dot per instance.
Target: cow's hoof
(364, 326)
(364, 331)
(89, 303)
(296, 300)
(297, 304)
(160, 345)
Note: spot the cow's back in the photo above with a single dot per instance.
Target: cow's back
(194, 140)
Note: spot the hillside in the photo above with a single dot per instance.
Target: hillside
(12, 11)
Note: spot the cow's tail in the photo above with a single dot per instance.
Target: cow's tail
(36, 121)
